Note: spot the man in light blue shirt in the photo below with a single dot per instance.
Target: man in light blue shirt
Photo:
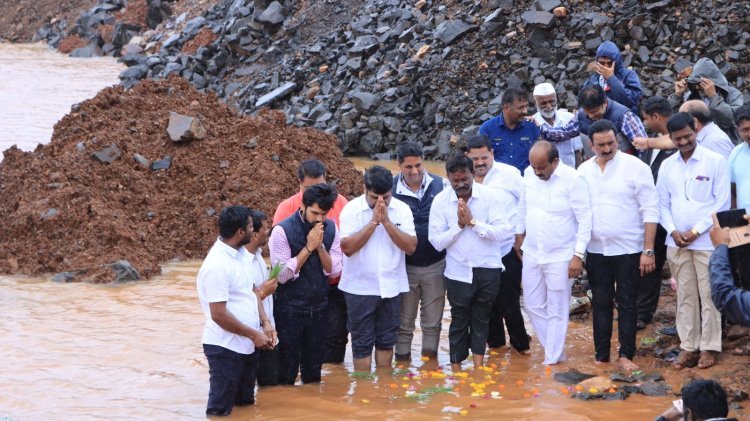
(739, 161)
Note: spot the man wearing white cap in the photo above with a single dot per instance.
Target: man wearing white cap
(545, 98)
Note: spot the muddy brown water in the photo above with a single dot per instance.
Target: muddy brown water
(81, 351)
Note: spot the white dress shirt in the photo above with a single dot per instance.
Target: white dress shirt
(556, 215)
(567, 148)
(226, 276)
(623, 198)
(713, 138)
(472, 247)
(506, 177)
(689, 192)
(402, 188)
(379, 267)
(259, 275)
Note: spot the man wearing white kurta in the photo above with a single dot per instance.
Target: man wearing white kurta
(692, 185)
(545, 98)
(470, 222)
(506, 307)
(625, 211)
(556, 215)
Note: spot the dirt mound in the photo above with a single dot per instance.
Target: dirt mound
(20, 19)
(62, 210)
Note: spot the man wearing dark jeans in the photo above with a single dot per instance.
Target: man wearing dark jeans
(656, 112)
(625, 211)
(506, 306)
(234, 315)
(307, 244)
(470, 222)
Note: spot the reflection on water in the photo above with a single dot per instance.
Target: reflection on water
(133, 351)
(38, 86)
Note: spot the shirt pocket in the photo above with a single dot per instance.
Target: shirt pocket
(701, 189)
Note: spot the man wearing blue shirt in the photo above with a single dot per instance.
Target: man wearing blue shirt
(510, 133)
(739, 175)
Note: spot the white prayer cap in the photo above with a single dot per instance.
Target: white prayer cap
(544, 89)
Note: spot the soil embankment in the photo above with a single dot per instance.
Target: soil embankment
(63, 210)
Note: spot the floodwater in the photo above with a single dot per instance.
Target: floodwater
(38, 87)
(82, 351)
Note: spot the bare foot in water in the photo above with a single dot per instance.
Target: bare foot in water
(626, 364)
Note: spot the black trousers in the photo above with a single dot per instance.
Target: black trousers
(268, 367)
(507, 307)
(649, 286)
(470, 312)
(231, 377)
(337, 335)
(301, 344)
(613, 277)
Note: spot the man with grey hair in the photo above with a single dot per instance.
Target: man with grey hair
(545, 98)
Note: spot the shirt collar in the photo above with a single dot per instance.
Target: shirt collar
(701, 135)
(233, 253)
(426, 180)
(697, 154)
(363, 206)
(558, 170)
(475, 192)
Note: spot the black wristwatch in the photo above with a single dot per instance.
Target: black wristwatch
(649, 252)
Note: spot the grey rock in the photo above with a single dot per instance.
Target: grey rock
(107, 155)
(366, 44)
(495, 16)
(450, 30)
(252, 143)
(124, 271)
(210, 212)
(161, 164)
(277, 93)
(537, 18)
(141, 160)
(64, 277)
(49, 213)
(273, 14)
(134, 73)
(364, 101)
(182, 128)
(91, 50)
(371, 143)
(547, 5)
(572, 377)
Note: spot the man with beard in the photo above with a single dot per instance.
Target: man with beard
(506, 306)
(625, 211)
(510, 134)
(556, 223)
(693, 184)
(545, 98)
(470, 222)
(377, 233)
(233, 323)
(308, 247)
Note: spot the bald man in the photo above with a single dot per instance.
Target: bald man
(545, 98)
(556, 228)
(710, 136)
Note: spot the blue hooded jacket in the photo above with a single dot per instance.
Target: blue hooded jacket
(624, 86)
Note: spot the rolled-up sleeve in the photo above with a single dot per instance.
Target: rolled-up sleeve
(580, 203)
(282, 253)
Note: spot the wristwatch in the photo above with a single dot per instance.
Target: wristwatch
(649, 252)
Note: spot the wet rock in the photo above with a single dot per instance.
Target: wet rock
(182, 128)
(64, 277)
(91, 50)
(276, 94)
(537, 18)
(124, 271)
(449, 31)
(161, 164)
(107, 155)
(572, 377)
(598, 383)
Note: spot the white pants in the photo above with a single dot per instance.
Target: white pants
(546, 297)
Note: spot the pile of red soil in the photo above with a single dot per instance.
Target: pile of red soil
(61, 210)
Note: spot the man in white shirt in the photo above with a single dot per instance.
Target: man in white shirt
(693, 184)
(268, 360)
(709, 135)
(506, 307)
(233, 323)
(545, 98)
(556, 215)
(377, 232)
(625, 211)
(471, 222)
